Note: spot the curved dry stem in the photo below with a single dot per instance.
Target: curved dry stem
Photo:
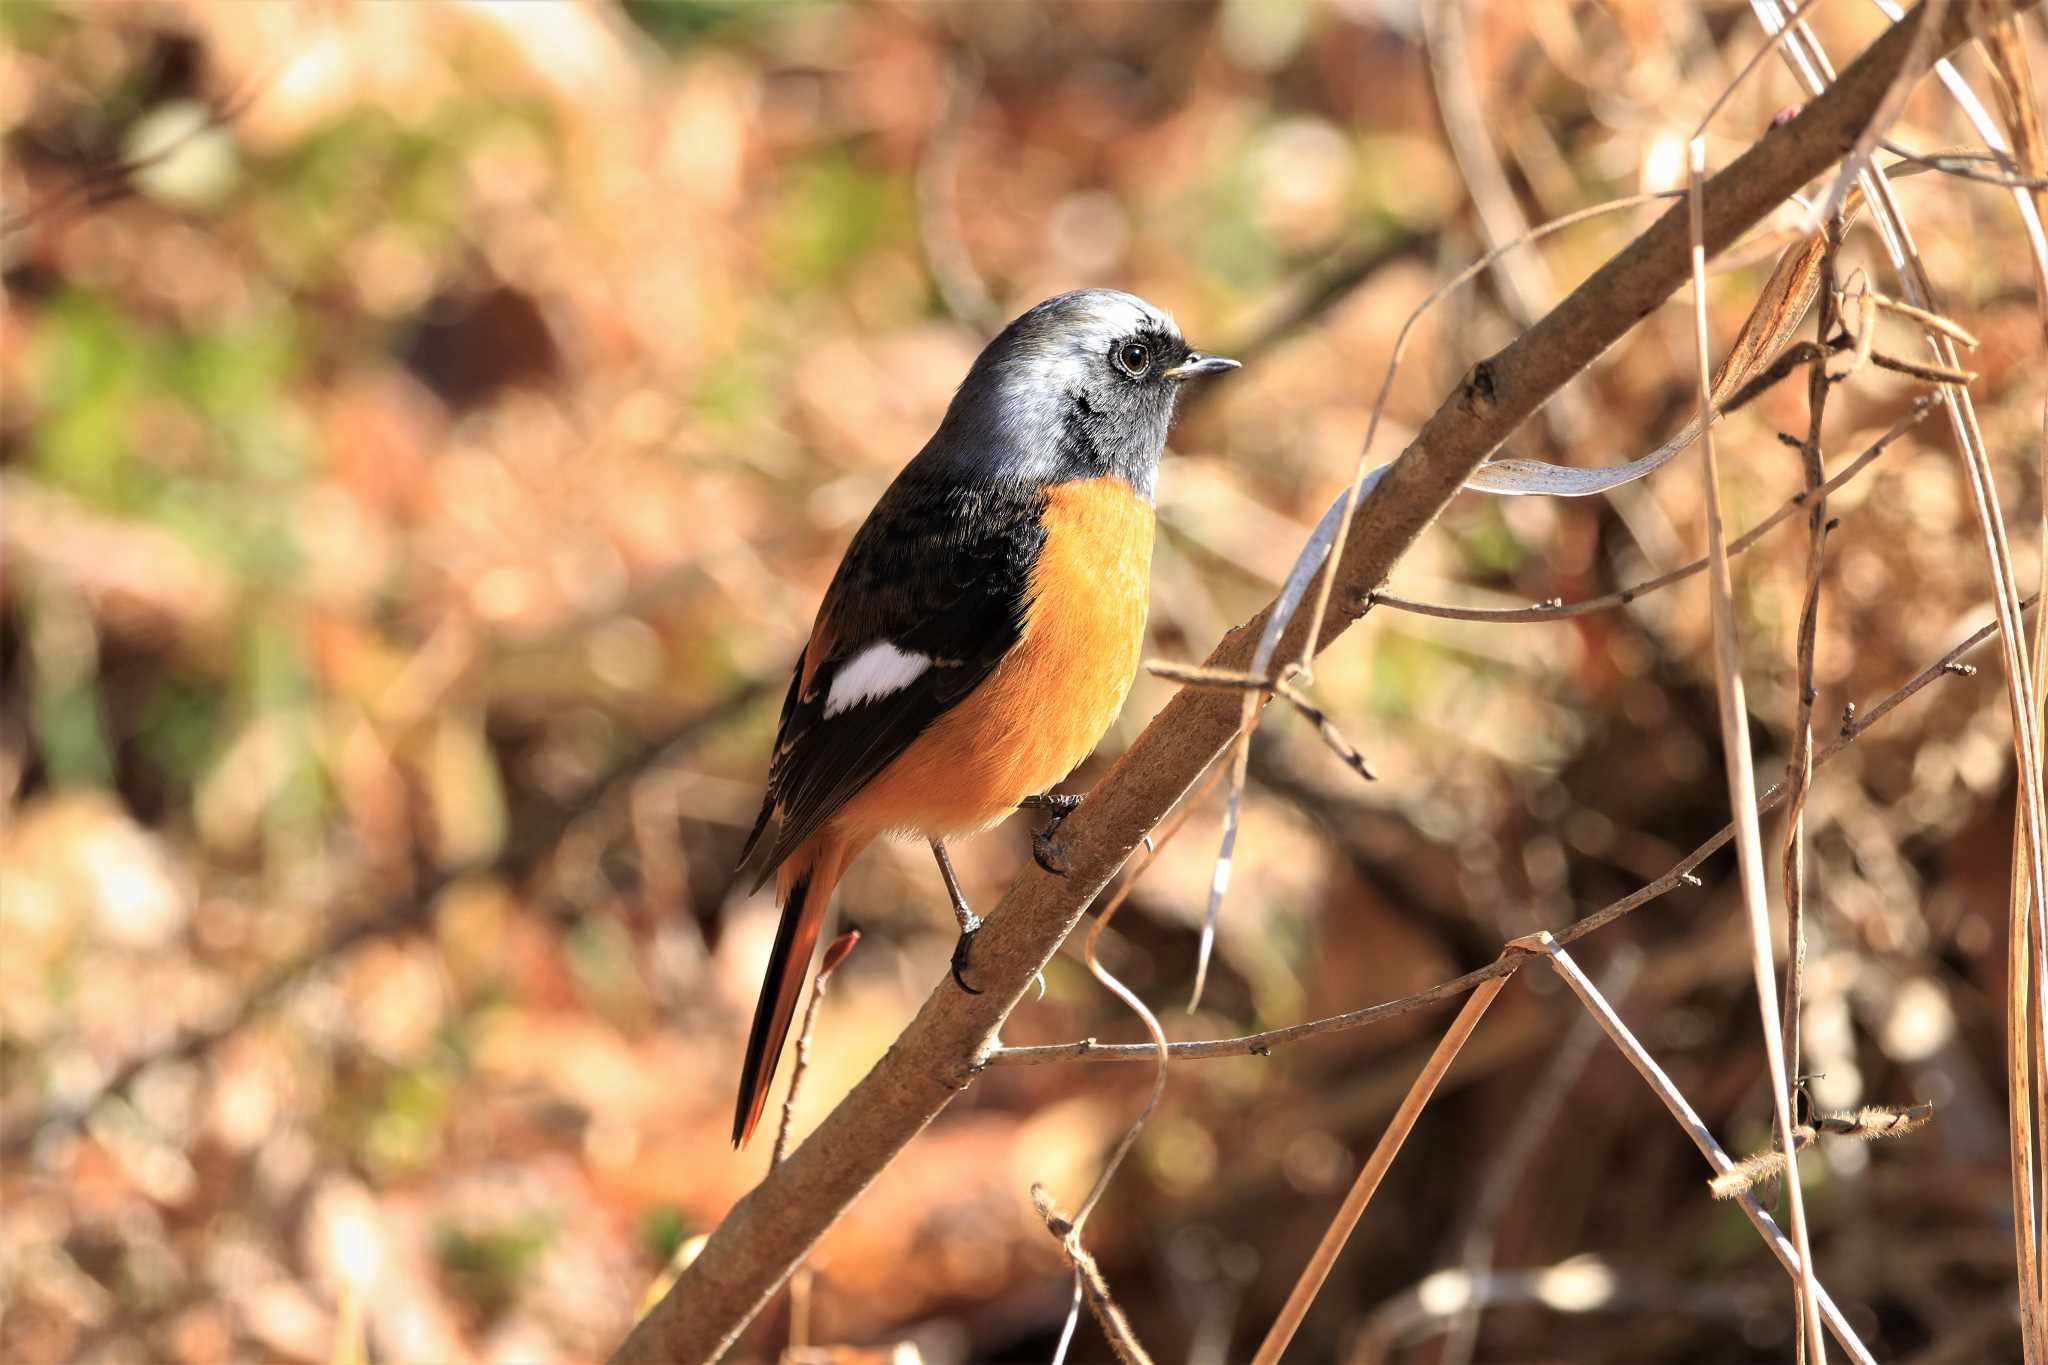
(1090, 1286)
(1749, 67)
(1379, 403)
(1153, 848)
(1326, 546)
(1621, 597)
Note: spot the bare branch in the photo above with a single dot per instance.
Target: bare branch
(1680, 874)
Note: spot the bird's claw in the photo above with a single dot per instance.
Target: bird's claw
(967, 934)
(1047, 851)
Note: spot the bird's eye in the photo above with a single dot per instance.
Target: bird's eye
(1132, 357)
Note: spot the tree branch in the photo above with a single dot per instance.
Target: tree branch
(770, 1230)
(1679, 874)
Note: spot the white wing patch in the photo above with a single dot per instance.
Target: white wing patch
(872, 674)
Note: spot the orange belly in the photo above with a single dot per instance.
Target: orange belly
(1051, 699)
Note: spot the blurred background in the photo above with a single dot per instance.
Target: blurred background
(426, 431)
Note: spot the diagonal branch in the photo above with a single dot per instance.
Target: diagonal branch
(769, 1231)
(1680, 874)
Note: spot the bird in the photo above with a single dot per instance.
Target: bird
(982, 630)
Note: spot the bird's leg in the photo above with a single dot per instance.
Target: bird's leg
(970, 923)
(1045, 851)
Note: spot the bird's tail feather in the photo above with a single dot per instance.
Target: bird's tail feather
(805, 884)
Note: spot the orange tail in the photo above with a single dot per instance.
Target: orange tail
(804, 885)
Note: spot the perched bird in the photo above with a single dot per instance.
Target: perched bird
(983, 629)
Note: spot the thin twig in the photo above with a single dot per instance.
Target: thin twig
(1680, 874)
(801, 1279)
(1741, 773)
(1383, 1153)
(1960, 165)
(1950, 374)
(1870, 1122)
(1799, 772)
(1688, 1119)
(1091, 1287)
(1560, 611)
(1283, 688)
(1534, 1118)
(834, 955)
(2026, 1011)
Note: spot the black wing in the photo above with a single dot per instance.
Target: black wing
(938, 569)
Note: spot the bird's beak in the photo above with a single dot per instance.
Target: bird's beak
(1198, 364)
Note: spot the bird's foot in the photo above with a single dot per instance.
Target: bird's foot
(1046, 850)
(969, 927)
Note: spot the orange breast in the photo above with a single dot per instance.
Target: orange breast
(1049, 702)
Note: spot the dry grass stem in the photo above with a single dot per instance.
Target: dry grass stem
(1799, 772)
(1919, 57)
(2026, 1019)
(801, 1279)
(1741, 776)
(1534, 1121)
(2027, 950)
(1695, 1128)
(1383, 1153)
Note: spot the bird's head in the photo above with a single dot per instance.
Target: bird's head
(1079, 387)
